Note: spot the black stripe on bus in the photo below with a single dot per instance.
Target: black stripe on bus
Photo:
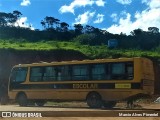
(71, 86)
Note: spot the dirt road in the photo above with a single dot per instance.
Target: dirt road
(82, 112)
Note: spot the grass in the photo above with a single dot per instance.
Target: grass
(42, 45)
(91, 51)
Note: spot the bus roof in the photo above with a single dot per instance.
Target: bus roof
(41, 63)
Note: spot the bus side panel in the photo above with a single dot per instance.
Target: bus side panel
(148, 72)
(147, 76)
(63, 94)
(137, 70)
(157, 78)
(42, 94)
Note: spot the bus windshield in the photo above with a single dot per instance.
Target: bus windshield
(18, 74)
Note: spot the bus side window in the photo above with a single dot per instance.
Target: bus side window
(49, 74)
(18, 75)
(80, 72)
(118, 71)
(98, 72)
(122, 71)
(59, 75)
(36, 74)
(107, 70)
(129, 70)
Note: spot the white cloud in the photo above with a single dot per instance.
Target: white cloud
(144, 1)
(74, 4)
(25, 3)
(22, 22)
(147, 18)
(152, 3)
(84, 18)
(114, 17)
(100, 18)
(124, 25)
(100, 3)
(123, 13)
(124, 2)
(80, 3)
(65, 8)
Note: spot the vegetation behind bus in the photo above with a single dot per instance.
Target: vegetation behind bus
(93, 52)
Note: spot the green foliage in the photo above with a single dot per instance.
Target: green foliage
(93, 52)
(88, 40)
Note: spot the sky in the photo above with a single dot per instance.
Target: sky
(115, 16)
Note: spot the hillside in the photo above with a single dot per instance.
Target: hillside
(92, 52)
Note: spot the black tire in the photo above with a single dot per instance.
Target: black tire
(109, 104)
(22, 99)
(40, 103)
(94, 100)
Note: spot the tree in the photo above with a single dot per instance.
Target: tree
(64, 26)
(50, 21)
(3, 18)
(11, 19)
(8, 19)
(137, 32)
(43, 24)
(56, 21)
(96, 31)
(153, 30)
(89, 29)
(78, 29)
(16, 15)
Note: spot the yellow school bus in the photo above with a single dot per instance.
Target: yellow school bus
(100, 82)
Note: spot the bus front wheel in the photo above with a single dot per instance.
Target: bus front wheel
(22, 99)
(94, 100)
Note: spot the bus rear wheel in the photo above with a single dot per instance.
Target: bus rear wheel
(22, 99)
(40, 103)
(94, 100)
(109, 104)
